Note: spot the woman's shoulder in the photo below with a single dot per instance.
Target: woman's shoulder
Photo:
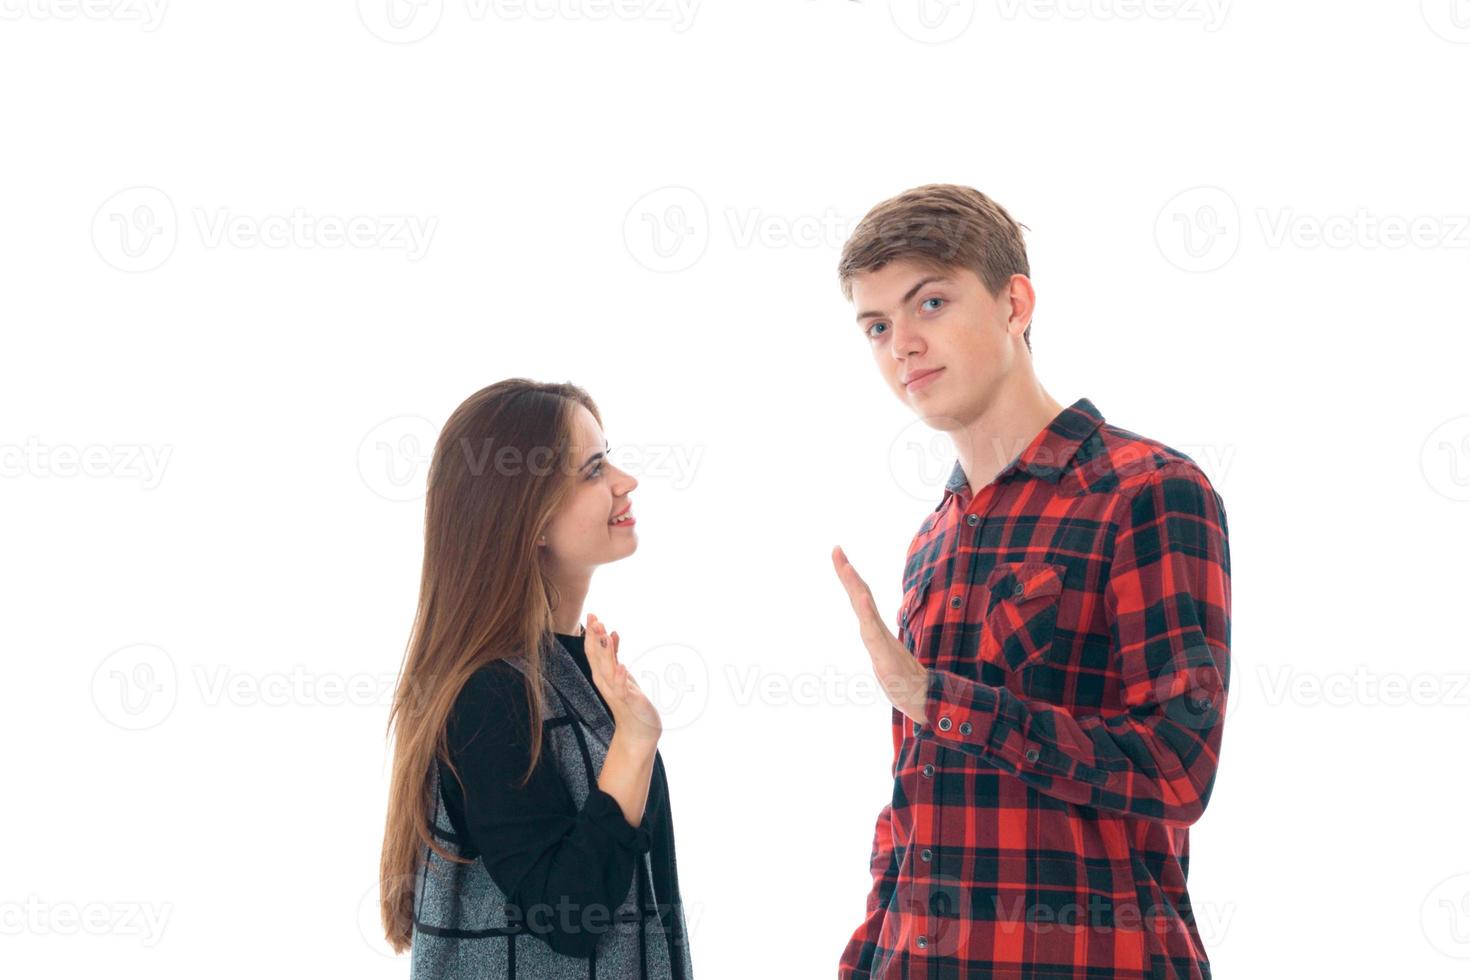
(492, 676)
(493, 698)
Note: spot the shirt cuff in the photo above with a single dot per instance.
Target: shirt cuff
(605, 812)
(959, 710)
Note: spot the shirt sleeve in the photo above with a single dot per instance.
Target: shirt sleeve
(1167, 600)
(566, 868)
(857, 957)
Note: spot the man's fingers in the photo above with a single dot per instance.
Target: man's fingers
(870, 621)
(845, 572)
(862, 599)
(858, 592)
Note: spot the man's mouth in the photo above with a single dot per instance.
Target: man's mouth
(918, 377)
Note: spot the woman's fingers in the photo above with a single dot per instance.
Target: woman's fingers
(615, 680)
(597, 651)
(602, 655)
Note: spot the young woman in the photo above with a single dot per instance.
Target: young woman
(529, 831)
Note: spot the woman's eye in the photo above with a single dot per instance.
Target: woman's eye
(596, 471)
(933, 299)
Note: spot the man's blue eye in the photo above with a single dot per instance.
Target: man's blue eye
(934, 299)
(873, 326)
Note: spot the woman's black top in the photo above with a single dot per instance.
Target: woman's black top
(540, 849)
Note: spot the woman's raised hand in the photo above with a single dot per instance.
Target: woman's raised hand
(634, 715)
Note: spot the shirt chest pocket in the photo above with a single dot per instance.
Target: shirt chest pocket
(1022, 598)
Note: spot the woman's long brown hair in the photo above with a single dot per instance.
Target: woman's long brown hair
(501, 469)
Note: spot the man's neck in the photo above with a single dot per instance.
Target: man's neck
(1006, 427)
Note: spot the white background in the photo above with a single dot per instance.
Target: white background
(216, 418)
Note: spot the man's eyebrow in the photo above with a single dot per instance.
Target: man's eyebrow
(593, 458)
(906, 296)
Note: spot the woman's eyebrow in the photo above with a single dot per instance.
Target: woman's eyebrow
(594, 457)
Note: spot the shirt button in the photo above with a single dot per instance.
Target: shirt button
(944, 724)
(923, 942)
(964, 728)
(1203, 703)
(1032, 755)
(954, 602)
(925, 854)
(972, 519)
(1020, 589)
(928, 769)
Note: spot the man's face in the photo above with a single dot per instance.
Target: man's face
(942, 343)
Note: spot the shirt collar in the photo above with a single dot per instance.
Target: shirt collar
(1050, 452)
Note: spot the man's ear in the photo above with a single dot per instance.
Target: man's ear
(1022, 298)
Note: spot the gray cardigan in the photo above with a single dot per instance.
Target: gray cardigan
(461, 928)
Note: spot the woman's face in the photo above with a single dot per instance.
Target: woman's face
(582, 535)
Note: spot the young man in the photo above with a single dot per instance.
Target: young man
(1062, 659)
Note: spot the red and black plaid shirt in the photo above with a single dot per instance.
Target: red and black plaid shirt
(1075, 619)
